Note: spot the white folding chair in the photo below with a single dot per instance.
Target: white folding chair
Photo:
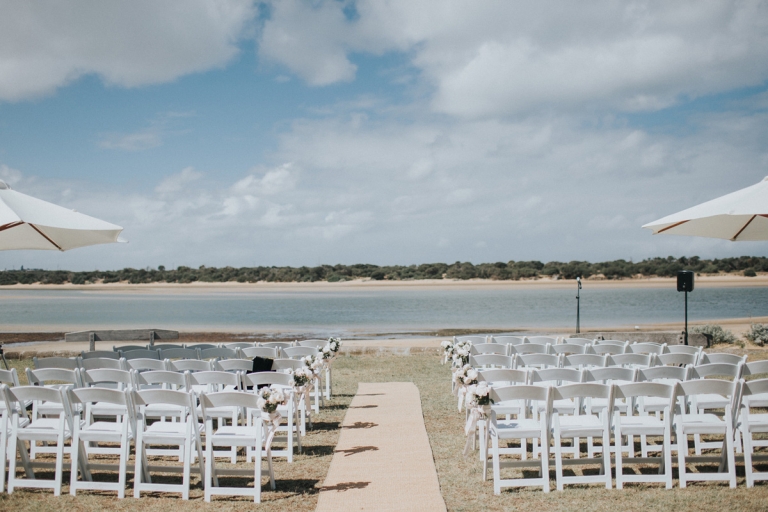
(472, 339)
(184, 433)
(567, 349)
(201, 346)
(675, 359)
(707, 358)
(238, 345)
(584, 361)
(251, 436)
(42, 429)
(508, 340)
(633, 361)
(6, 412)
(683, 349)
(290, 412)
(220, 353)
(488, 348)
(520, 428)
(189, 365)
(529, 348)
(646, 405)
(502, 377)
(646, 348)
(491, 361)
(702, 403)
(64, 363)
(265, 352)
(754, 395)
(89, 431)
(577, 341)
(583, 425)
(179, 353)
(608, 348)
(553, 377)
(233, 365)
(609, 376)
(143, 365)
(697, 423)
(541, 340)
(54, 378)
(96, 363)
(140, 354)
(99, 354)
(215, 382)
(536, 361)
(164, 379)
(631, 425)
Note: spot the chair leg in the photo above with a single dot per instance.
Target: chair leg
(748, 470)
(544, 462)
(731, 456)
(187, 467)
(682, 451)
(668, 457)
(18, 446)
(496, 466)
(3, 447)
(619, 455)
(138, 470)
(607, 457)
(123, 464)
(209, 470)
(256, 480)
(558, 461)
(75, 460)
(59, 463)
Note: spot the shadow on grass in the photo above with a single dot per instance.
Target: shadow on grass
(324, 426)
(318, 450)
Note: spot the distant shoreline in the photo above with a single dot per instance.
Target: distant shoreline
(705, 281)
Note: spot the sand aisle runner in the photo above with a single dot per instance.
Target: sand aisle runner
(383, 460)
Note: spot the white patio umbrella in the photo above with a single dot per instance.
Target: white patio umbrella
(30, 223)
(738, 216)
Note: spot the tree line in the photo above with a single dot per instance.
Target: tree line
(511, 270)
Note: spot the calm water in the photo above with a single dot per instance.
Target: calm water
(379, 310)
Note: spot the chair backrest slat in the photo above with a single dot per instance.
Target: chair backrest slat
(54, 362)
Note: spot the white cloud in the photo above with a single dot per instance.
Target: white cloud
(177, 182)
(138, 141)
(501, 59)
(45, 45)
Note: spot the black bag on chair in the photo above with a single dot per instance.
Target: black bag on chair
(261, 364)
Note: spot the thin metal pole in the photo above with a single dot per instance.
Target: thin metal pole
(686, 317)
(578, 307)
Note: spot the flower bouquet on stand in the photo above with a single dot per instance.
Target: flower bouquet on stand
(329, 353)
(270, 399)
(315, 365)
(463, 378)
(478, 410)
(448, 348)
(302, 380)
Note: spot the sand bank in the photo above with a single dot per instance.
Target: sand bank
(719, 281)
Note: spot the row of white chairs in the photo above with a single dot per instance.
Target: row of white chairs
(81, 422)
(166, 352)
(595, 360)
(603, 411)
(185, 381)
(316, 343)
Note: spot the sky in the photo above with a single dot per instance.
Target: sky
(241, 133)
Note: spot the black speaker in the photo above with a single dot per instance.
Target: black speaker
(685, 281)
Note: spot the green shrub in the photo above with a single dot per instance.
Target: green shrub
(758, 333)
(750, 272)
(719, 335)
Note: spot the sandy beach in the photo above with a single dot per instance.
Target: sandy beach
(706, 281)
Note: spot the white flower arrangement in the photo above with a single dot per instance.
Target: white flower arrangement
(302, 376)
(479, 395)
(461, 351)
(465, 376)
(270, 398)
(331, 349)
(447, 346)
(313, 363)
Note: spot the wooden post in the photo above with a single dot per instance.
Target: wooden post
(151, 338)
(92, 342)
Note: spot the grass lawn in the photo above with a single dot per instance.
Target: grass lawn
(460, 478)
